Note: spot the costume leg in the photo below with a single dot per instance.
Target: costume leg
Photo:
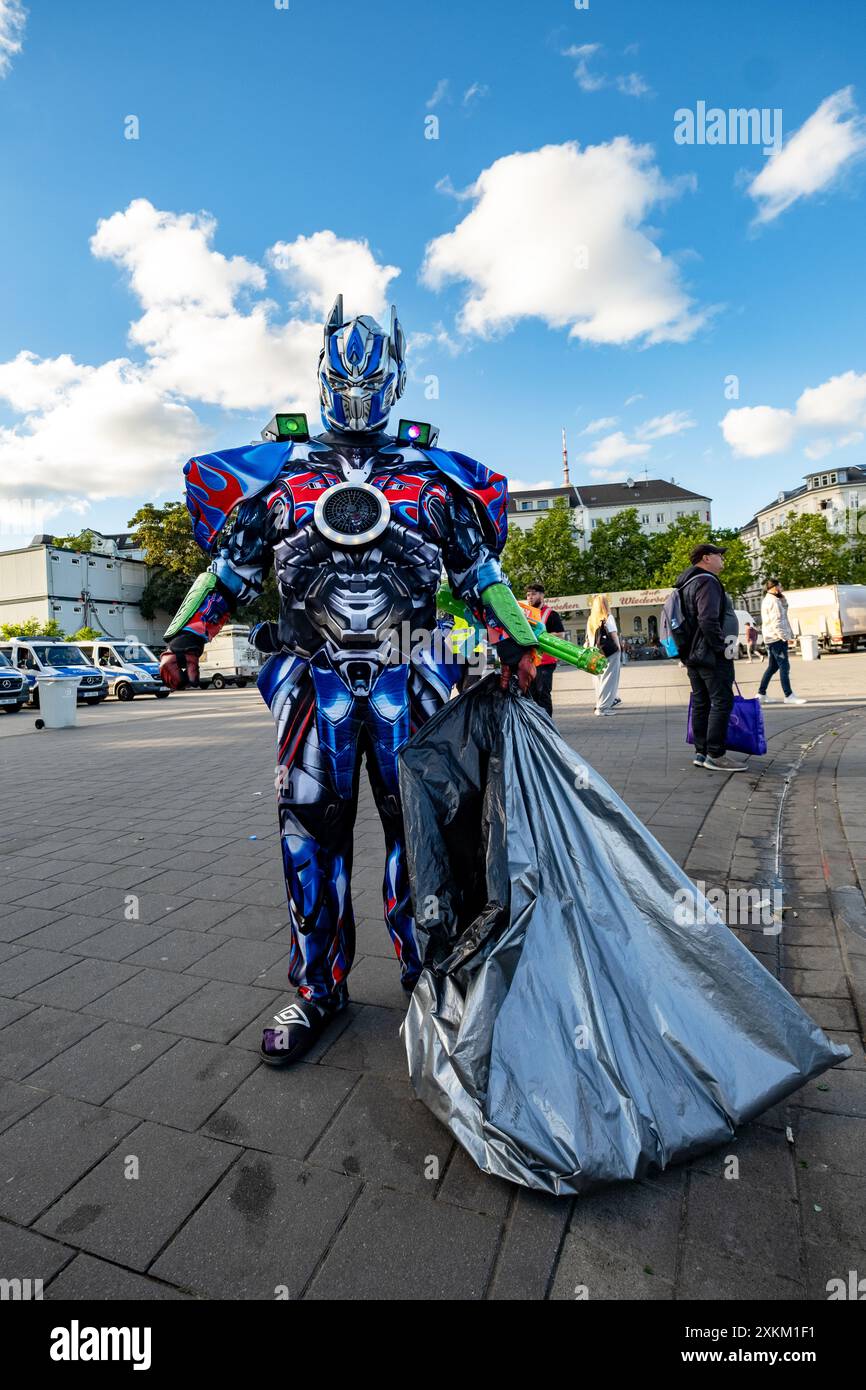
(387, 727)
(317, 780)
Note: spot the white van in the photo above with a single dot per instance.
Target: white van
(55, 657)
(128, 665)
(229, 659)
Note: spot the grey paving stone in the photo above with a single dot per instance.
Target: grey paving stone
(199, 915)
(175, 951)
(50, 895)
(371, 1043)
(120, 940)
(832, 1210)
(633, 1221)
(48, 1150)
(376, 980)
(396, 1244)
(373, 940)
(464, 1185)
(144, 998)
(255, 923)
(834, 1141)
(185, 1085)
(39, 1035)
(66, 932)
(261, 1233)
(283, 1111)
(101, 1063)
(240, 962)
(383, 1134)
(129, 1220)
(833, 1270)
(219, 887)
(826, 984)
(735, 1219)
(112, 903)
(81, 984)
(842, 1092)
(587, 1274)
(17, 1100)
(829, 1013)
(12, 1009)
(87, 1279)
(20, 921)
(28, 968)
(216, 1012)
(763, 1157)
(26, 1255)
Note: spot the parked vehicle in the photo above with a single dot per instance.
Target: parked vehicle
(834, 613)
(129, 667)
(229, 659)
(32, 655)
(14, 690)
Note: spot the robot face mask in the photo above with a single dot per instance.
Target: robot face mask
(362, 371)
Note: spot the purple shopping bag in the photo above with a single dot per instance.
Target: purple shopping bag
(745, 728)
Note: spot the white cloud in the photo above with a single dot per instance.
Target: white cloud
(812, 158)
(631, 84)
(557, 234)
(321, 266)
(476, 92)
(838, 403)
(440, 92)
(104, 431)
(662, 425)
(207, 334)
(614, 448)
(639, 396)
(757, 430)
(618, 476)
(519, 485)
(13, 17)
(604, 422)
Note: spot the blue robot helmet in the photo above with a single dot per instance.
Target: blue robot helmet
(362, 371)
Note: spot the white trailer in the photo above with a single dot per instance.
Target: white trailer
(834, 613)
(229, 659)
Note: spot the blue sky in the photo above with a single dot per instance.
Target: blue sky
(559, 253)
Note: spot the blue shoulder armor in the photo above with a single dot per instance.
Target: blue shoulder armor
(217, 483)
(488, 490)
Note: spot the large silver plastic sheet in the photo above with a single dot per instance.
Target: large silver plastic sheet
(574, 1026)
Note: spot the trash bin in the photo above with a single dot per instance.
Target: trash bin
(809, 647)
(58, 701)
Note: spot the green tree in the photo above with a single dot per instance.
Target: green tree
(32, 627)
(671, 548)
(86, 634)
(618, 555)
(547, 552)
(804, 552)
(174, 559)
(82, 542)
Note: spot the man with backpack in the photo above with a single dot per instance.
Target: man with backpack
(695, 620)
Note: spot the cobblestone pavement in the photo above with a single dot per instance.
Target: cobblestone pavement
(145, 1152)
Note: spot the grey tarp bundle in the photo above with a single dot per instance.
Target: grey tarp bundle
(571, 1028)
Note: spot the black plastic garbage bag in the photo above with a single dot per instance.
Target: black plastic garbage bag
(584, 1014)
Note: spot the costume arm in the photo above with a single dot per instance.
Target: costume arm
(475, 576)
(234, 579)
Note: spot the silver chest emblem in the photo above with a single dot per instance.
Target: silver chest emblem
(353, 513)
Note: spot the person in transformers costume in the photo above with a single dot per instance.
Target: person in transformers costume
(359, 524)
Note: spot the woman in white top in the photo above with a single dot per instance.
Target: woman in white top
(601, 632)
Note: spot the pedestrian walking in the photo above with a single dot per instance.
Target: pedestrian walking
(708, 655)
(777, 634)
(541, 688)
(601, 632)
(752, 643)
